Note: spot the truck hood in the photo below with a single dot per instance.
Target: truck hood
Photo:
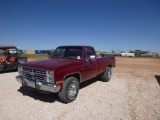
(50, 63)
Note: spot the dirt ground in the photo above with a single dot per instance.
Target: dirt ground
(132, 94)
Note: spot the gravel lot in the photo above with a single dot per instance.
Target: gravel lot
(132, 94)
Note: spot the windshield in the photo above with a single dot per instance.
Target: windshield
(67, 52)
(4, 52)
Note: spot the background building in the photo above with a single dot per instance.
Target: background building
(29, 51)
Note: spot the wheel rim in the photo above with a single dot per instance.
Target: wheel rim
(109, 74)
(72, 90)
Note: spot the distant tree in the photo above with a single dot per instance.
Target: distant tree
(113, 51)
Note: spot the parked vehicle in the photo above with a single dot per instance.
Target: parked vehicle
(127, 54)
(10, 58)
(66, 68)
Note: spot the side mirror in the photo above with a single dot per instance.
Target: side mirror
(92, 57)
(50, 52)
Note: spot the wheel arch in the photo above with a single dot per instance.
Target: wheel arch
(109, 66)
(76, 75)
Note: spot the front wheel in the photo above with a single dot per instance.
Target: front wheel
(69, 90)
(107, 75)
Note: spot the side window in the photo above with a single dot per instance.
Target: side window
(88, 53)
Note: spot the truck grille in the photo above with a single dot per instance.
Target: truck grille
(35, 71)
(35, 74)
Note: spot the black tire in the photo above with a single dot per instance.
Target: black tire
(107, 75)
(69, 90)
(17, 67)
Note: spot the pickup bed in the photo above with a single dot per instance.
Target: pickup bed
(66, 68)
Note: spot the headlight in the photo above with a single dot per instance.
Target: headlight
(20, 69)
(50, 76)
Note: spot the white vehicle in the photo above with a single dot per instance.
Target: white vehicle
(127, 54)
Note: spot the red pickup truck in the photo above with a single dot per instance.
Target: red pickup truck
(66, 68)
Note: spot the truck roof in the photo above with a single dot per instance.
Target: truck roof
(74, 46)
(7, 46)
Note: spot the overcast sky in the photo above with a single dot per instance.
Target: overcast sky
(119, 25)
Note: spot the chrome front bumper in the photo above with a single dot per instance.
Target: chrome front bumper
(38, 85)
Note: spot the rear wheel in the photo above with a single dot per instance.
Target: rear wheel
(70, 90)
(107, 75)
(17, 67)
